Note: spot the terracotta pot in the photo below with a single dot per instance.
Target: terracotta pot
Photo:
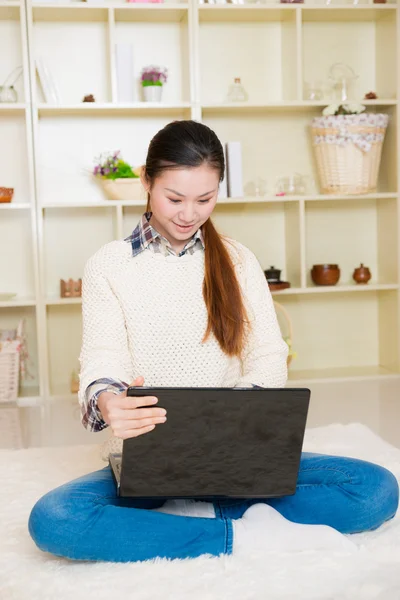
(362, 274)
(325, 274)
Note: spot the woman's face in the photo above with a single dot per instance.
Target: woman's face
(181, 201)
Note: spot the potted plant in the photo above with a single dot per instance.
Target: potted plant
(117, 178)
(152, 80)
(347, 145)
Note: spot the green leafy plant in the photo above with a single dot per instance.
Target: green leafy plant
(112, 166)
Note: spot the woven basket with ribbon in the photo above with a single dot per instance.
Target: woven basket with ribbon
(348, 151)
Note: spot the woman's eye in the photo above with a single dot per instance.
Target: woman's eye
(173, 200)
(204, 201)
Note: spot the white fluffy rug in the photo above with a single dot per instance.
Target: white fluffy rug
(27, 574)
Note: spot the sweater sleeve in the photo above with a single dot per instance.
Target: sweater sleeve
(265, 354)
(104, 352)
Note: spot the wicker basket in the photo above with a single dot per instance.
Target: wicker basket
(348, 151)
(285, 324)
(123, 189)
(6, 194)
(9, 367)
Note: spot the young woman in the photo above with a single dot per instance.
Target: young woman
(177, 304)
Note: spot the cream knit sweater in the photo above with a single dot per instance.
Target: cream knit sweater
(146, 316)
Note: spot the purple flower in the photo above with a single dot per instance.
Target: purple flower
(96, 170)
(106, 171)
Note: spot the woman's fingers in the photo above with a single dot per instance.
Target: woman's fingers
(132, 433)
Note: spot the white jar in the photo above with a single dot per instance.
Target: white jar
(152, 93)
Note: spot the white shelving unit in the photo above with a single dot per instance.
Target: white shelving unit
(344, 334)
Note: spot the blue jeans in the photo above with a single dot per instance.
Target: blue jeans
(85, 520)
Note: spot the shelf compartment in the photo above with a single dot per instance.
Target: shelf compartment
(71, 181)
(366, 45)
(336, 331)
(275, 239)
(332, 228)
(51, 42)
(64, 335)
(261, 54)
(92, 227)
(16, 239)
(9, 319)
(170, 47)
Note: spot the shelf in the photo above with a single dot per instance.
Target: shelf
(245, 13)
(338, 289)
(343, 374)
(29, 396)
(358, 13)
(227, 201)
(75, 11)
(249, 13)
(284, 106)
(100, 109)
(15, 206)
(17, 302)
(13, 107)
(56, 301)
(294, 291)
(9, 11)
(159, 13)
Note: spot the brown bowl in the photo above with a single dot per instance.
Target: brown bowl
(325, 274)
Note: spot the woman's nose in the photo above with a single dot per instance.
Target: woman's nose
(187, 214)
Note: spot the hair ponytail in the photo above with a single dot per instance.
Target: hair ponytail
(222, 295)
(190, 144)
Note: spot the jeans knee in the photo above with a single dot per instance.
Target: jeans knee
(386, 494)
(47, 524)
(380, 496)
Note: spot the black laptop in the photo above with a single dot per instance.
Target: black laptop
(216, 443)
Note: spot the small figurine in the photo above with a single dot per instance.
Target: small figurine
(370, 96)
(89, 98)
(70, 288)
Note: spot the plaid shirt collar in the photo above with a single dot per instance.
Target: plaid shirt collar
(145, 236)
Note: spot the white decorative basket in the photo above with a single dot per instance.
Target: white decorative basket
(123, 189)
(348, 151)
(10, 366)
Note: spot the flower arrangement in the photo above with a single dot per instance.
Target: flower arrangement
(112, 166)
(343, 109)
(154, 76)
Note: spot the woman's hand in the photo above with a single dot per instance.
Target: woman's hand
(122, 414)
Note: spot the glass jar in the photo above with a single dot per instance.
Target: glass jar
(236, 92)
(8, 94)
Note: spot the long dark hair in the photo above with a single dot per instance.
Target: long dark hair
(185, 144)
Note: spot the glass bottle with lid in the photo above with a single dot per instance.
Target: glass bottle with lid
(236, 92)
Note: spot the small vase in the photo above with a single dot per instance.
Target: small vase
(362, 274)
(152, 93)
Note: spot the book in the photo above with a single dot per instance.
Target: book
(124, 69)
(49, 88)
(235, 170)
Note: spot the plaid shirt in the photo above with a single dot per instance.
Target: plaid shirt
(144, 237)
